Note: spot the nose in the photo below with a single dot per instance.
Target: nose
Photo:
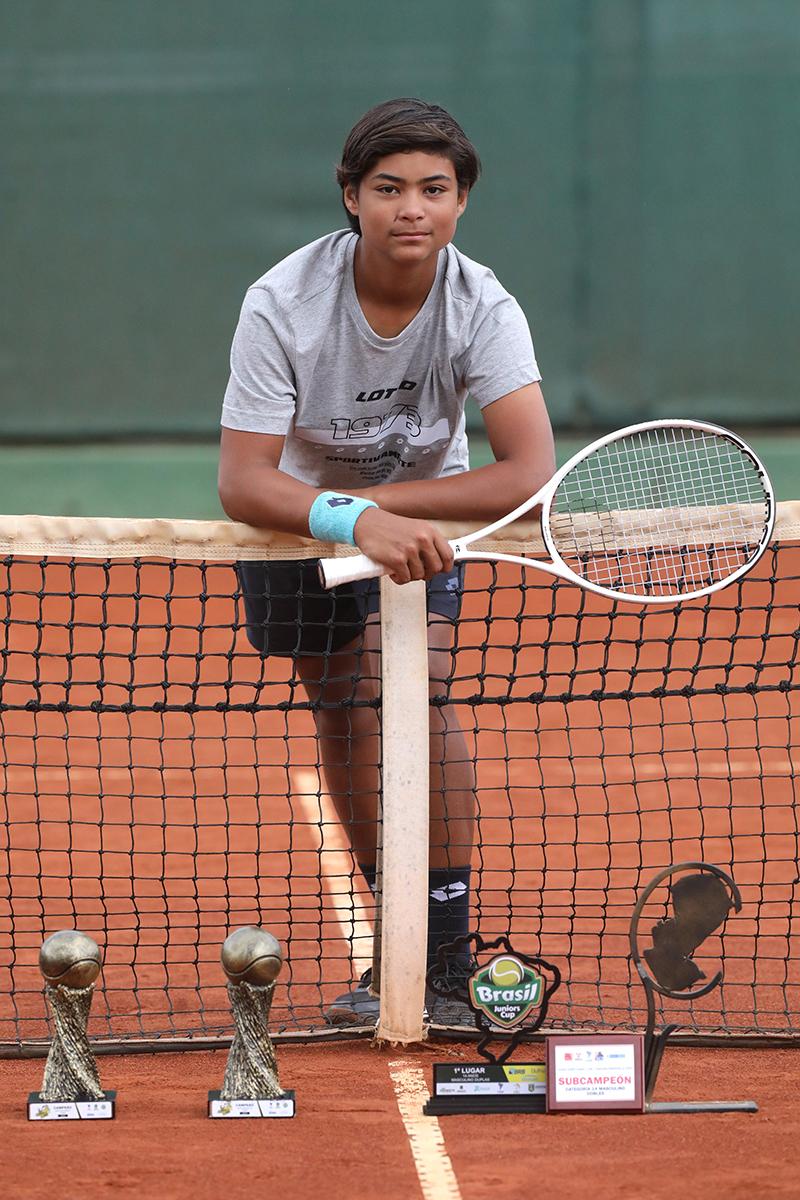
(411, 208)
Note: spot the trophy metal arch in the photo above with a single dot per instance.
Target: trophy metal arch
(655, 1041)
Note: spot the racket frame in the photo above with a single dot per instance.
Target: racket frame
(344, 570)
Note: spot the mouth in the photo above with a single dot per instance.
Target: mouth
(410, 237)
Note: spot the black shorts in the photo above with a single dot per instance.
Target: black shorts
(289, 612)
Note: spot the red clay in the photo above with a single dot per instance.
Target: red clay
(348, 1141)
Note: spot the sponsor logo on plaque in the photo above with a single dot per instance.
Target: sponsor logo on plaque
(506, 990)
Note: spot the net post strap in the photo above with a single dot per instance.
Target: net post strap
(405, 802)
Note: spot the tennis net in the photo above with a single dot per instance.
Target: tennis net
(163, 782)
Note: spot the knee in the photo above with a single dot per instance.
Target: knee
(344, 707)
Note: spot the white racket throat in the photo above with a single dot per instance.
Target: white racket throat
(657, 513)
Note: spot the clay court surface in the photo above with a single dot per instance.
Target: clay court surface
(348, 1140)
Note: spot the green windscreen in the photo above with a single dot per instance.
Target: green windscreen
(640, 171)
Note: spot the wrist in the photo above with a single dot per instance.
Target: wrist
(333, 516)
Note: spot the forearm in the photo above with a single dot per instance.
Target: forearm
(261, 495)
(482, 495)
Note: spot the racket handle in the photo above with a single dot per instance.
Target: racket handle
(333, 571)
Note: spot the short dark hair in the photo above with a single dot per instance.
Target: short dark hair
(402, 125)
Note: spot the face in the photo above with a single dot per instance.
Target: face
(408, 205)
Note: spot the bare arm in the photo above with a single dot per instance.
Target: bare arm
(254, 490)
(398, 534)
(519, 433)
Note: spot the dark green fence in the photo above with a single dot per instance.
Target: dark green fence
(640, 191)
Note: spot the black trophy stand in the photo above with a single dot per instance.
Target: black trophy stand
(701, 903)
(448, 980)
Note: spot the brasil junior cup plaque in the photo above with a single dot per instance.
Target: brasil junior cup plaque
(508, 993)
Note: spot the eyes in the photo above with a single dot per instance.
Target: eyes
(391, 189)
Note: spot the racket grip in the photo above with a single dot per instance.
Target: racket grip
(333, 571)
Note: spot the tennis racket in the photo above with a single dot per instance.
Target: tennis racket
(657, 512)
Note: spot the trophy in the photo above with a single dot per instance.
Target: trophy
(70, 963)
(508, 994)
(701, 903)
(251, 959)
(613, 1072)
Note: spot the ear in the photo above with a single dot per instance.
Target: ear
(463, 197)
(350, 197)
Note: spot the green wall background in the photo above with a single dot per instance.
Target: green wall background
(640, 192)
(123, 479)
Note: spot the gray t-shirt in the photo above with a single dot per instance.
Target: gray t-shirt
(358, 409)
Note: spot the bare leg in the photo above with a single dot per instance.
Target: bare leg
(349, 739)
(452, 784)
(350, 747)
(349, 750)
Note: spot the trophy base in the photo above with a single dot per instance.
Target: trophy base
(71, 1110)
(487, 1088)
(700, 1106)
(279, 1106)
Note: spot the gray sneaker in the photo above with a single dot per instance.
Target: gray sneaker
(444, 1007)
(448, 1011)
(360, 1007)
(356, 1007)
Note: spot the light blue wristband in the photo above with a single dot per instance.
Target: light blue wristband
(333, 516)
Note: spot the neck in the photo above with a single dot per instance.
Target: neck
(380, 282)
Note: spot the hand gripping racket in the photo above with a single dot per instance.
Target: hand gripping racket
(657, 512)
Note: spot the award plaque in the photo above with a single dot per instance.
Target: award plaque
(488, 1087)
(602, 1072)
(280, 1106)
(508, 993)
(71, 1110)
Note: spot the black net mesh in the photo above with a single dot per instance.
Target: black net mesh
(163, 784)
(612, 741)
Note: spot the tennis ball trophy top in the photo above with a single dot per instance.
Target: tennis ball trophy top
(251, 955)
(70, 958)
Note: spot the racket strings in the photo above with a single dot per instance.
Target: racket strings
(660, 512)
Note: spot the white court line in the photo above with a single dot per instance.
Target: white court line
(437, 1179)
(337, 862)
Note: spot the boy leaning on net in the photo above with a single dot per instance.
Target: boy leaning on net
(344, 419)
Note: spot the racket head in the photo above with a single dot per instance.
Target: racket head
(659, 512)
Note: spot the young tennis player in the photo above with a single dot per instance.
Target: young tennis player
(344, 419)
